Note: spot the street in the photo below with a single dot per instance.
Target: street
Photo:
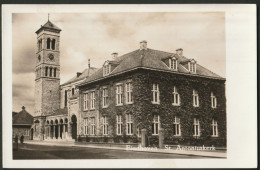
(30, 151)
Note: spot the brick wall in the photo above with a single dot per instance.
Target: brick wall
(143, 110)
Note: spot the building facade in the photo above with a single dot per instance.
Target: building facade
(145, 90)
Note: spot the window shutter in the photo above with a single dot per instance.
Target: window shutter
(152, 128)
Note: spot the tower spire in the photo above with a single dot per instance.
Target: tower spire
(48, 16)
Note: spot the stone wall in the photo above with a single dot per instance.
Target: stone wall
(21, 130)
(51, 96)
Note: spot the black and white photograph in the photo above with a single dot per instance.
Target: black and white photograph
(106, 83)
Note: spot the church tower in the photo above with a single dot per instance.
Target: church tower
(47, 70)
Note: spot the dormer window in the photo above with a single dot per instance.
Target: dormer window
(106, 69)
(173, 63)
(192, 66)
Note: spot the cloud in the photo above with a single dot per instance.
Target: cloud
(95, 36)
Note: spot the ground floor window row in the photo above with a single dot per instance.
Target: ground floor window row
(90, 126)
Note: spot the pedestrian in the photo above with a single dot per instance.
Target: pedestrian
(21, 139)
(16, 139)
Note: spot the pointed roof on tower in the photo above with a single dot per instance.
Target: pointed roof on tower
(49, 26)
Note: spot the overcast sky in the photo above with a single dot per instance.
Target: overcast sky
(95, 36)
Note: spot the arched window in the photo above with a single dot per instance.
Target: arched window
(50, 72)
(40, 73)
(46, 71)
(53, 44)
(40, 44)
(48, 43)
(54, 73)
(73, 91)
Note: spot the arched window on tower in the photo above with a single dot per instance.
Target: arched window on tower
(40, 44)
(40, 73)
(36, 73)
(48, 43)
(50, 72)
(54, 72)
(46, 71)
(53, 44)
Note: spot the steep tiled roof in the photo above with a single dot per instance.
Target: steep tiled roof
(84, 74)
(49, 25)
(22, 118)
(151, 59)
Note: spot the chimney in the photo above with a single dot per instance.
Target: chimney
(88, 63)
(143, 45)
(114, 55)
(179, 51)
(23, 108)
(78, 74)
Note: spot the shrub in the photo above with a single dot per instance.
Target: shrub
(87, 139)
(79, 139)
(105, 139)
(124, 138)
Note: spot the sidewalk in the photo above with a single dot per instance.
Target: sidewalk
(133, 148)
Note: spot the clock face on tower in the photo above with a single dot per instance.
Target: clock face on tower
(51, 57)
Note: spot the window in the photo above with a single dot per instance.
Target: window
(129, 93)
(176, 97)
(106, 69)
(195, 98)
(105, 126)
(196, 127)
(213, 100)
(65, 98)
(119, 95)
(156, 94)
(119, 124)
(92, 100)
(54, 74)
(46, 71)
(192, 66)
(105, 97)
(50, 72)
(86, 101)
(173, 63)
(155, 126)
(48, 43)
(86, 126)
(72, 91)
(39, 44)
(214, 126)
(176, 127)
(53, 44)
(92, 125)
(129, 124)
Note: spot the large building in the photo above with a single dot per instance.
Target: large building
(143, 91)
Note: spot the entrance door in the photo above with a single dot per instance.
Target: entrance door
(31, 134)
(74, 127)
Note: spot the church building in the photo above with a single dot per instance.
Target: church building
(145, 91)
